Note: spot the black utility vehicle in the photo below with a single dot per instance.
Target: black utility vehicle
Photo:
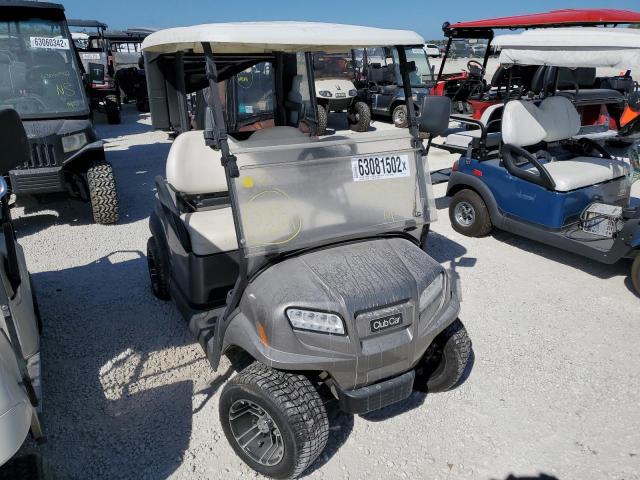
(126, 49)
(42, 79)
(380, 80)
(102, 88)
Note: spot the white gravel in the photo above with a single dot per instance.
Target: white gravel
(554, 389)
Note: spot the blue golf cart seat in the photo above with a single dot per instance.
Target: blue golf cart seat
(555, 119)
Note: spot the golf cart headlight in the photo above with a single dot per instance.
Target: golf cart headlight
(74, 142)
(315, 321)
(353, 93)
(325, 93)
(432, 293)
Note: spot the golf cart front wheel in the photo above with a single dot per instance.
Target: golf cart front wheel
(360, 117)
(323, 119)
(275, 421)
(102, 192)
(158, 270)
(469, 214)
(400, 117)
(635, 274)
(445, 362)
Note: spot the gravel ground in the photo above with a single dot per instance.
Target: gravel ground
(554, 389)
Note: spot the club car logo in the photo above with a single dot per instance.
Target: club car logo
(385, 323)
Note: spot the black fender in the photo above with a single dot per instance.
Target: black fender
(459, 181)
(80, 160)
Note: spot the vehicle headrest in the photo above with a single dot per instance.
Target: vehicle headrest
(525, 124)
(497, 76)
(537, 81)
(193, 168)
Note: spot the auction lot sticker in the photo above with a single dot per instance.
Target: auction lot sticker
(48, 42)
(380, 167)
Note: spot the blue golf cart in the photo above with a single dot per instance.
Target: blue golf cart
(543, 183)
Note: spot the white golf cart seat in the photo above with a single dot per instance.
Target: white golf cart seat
(524, 124)
(462, 140)
(195, 169)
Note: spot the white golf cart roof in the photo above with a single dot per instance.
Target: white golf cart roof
(571, 47)
(267, 37)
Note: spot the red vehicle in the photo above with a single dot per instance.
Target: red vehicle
(470, 89)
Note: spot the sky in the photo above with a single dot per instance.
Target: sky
(425, 17)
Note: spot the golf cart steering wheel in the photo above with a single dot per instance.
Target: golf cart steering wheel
(475, 69)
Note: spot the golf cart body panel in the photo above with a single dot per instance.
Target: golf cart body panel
(63, 109)
(321, 283)
(343, 93)
(20, 325)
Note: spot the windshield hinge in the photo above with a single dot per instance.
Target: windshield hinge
(230, 162)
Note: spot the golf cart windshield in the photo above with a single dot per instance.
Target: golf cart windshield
(312, 192)
(337, 65)
(462, 51)
(39, 74)
(254, 94)
(423, 75)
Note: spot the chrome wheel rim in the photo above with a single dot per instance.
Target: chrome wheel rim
(399, 117)
(465, 214)
(256, 433)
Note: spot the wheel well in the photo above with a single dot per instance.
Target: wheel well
(457, 188)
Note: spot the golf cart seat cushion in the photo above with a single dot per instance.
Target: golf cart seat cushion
(525, 124)
(193, 168)
(580, 172)
(211, 231)
(463, 139)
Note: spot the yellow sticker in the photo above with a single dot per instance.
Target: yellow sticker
(247, 182)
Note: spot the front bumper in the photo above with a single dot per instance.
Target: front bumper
(376, 396)
(44, 173)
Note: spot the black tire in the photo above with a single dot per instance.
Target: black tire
(360, 117)
(469, 214)
(323, 119)
(445, 361)
(102, 192)
(159, 272)
(400, 117)
(112, 109)
(635, 274)
(293, 406)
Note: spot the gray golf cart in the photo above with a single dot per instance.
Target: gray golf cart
(334, 75)
(42, 79)
(297, 256)
(20, 321)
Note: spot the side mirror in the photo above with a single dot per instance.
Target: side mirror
(96, 72)
(434, 115)
(13, 138)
